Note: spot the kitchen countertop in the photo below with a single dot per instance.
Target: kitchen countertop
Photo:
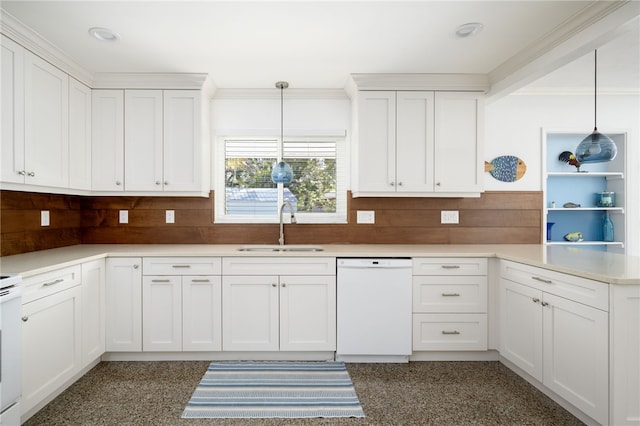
(601, 266)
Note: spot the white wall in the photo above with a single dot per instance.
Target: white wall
(514, 126)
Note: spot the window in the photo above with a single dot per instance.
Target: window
(317, 192)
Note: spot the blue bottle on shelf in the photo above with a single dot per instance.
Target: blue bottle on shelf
(607, 228)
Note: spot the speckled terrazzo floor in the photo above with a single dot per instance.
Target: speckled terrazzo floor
(418, 393)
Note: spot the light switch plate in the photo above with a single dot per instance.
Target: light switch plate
(366, 216)
(44, 218)
(170, 216)
(124, 216)
(449, 216)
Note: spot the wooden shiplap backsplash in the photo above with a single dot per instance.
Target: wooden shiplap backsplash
(495, 218)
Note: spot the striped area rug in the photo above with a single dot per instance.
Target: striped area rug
(276, 389)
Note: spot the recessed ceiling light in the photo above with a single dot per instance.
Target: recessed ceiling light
(103, 34)
(469, 29)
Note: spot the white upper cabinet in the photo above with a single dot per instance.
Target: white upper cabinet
(459, 127)
(12, 159)
(107, 140)
(147, 141)
(79, 135)
(143, 140)
(46, 119)
(418, 143)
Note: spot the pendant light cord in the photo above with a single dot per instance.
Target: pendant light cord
(595, 90)
(281, 122)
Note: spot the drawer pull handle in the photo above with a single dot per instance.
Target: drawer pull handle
(54, 282)
(135, 266)
(25, 319)
(451, 294)
(450, 266)
(542, 280)
(450, 332)
(545, 304)
(200, 281)
(181, 266)
(536, 300)
(160, 281)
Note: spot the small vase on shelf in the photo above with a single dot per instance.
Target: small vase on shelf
(607, 228)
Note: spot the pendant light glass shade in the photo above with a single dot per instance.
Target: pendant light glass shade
(281, 172)
(596, 148)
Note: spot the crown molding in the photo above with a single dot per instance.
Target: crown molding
(275, 94)
(575, 91)
(14, 29)
(149, 81)
(448, 82)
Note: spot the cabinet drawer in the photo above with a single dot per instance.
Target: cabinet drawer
(43, 285)
(449, 266)
(181, 266)
(581, 290)
(279, 266)
(449, 332)
(450, 294)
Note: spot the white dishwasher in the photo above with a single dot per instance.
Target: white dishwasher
(374, 310)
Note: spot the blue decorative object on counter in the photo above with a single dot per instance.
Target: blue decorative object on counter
(607, 228)
(605, 199)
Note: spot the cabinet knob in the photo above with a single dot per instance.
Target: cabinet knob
(392, 183)
(284, 285)
(274, 285)
(25, 319)
(32, 174)
(157, 182)
(536, 300)
(437, 183)
(118, 183)
(22, 172)
(399, 183)
(135, 266)
(166, 183)
(545, 303)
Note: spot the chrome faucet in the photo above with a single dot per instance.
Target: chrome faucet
(293, 220)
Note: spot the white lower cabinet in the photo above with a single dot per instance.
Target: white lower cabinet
(282, 311)
(124, 304)
(181, 312)
(93, 310)
(449, 304)
(624, 343)
(51, 334)
(561, 343)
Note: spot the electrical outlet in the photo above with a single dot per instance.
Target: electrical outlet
(449, 216)
(170, 216)
(366, 216)
(44, 218)
(124, 216)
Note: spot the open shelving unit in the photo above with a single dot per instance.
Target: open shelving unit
(562, 183)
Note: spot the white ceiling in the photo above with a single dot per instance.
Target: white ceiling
(317, 44)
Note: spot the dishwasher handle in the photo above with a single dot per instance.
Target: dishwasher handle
(373, 263)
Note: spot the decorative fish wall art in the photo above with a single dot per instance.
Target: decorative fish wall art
(506, 168)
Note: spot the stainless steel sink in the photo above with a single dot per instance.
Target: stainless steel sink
(279, 248)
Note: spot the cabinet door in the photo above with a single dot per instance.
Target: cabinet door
(107, 140)
(182, 169)
(625, 353)
(46, 119)
(250, 314)
(93, 310)
(79, 135)
(307, 313)
(576, 354)
(143, 140)
(124, 305)
(458, 142)
(12, 158)
(161, 313)
(201, 313)
(414, 142)
(51, 344)
(521, 326)
(376, 146)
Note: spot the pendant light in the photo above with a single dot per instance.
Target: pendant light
(281, 172)
(596, 148)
